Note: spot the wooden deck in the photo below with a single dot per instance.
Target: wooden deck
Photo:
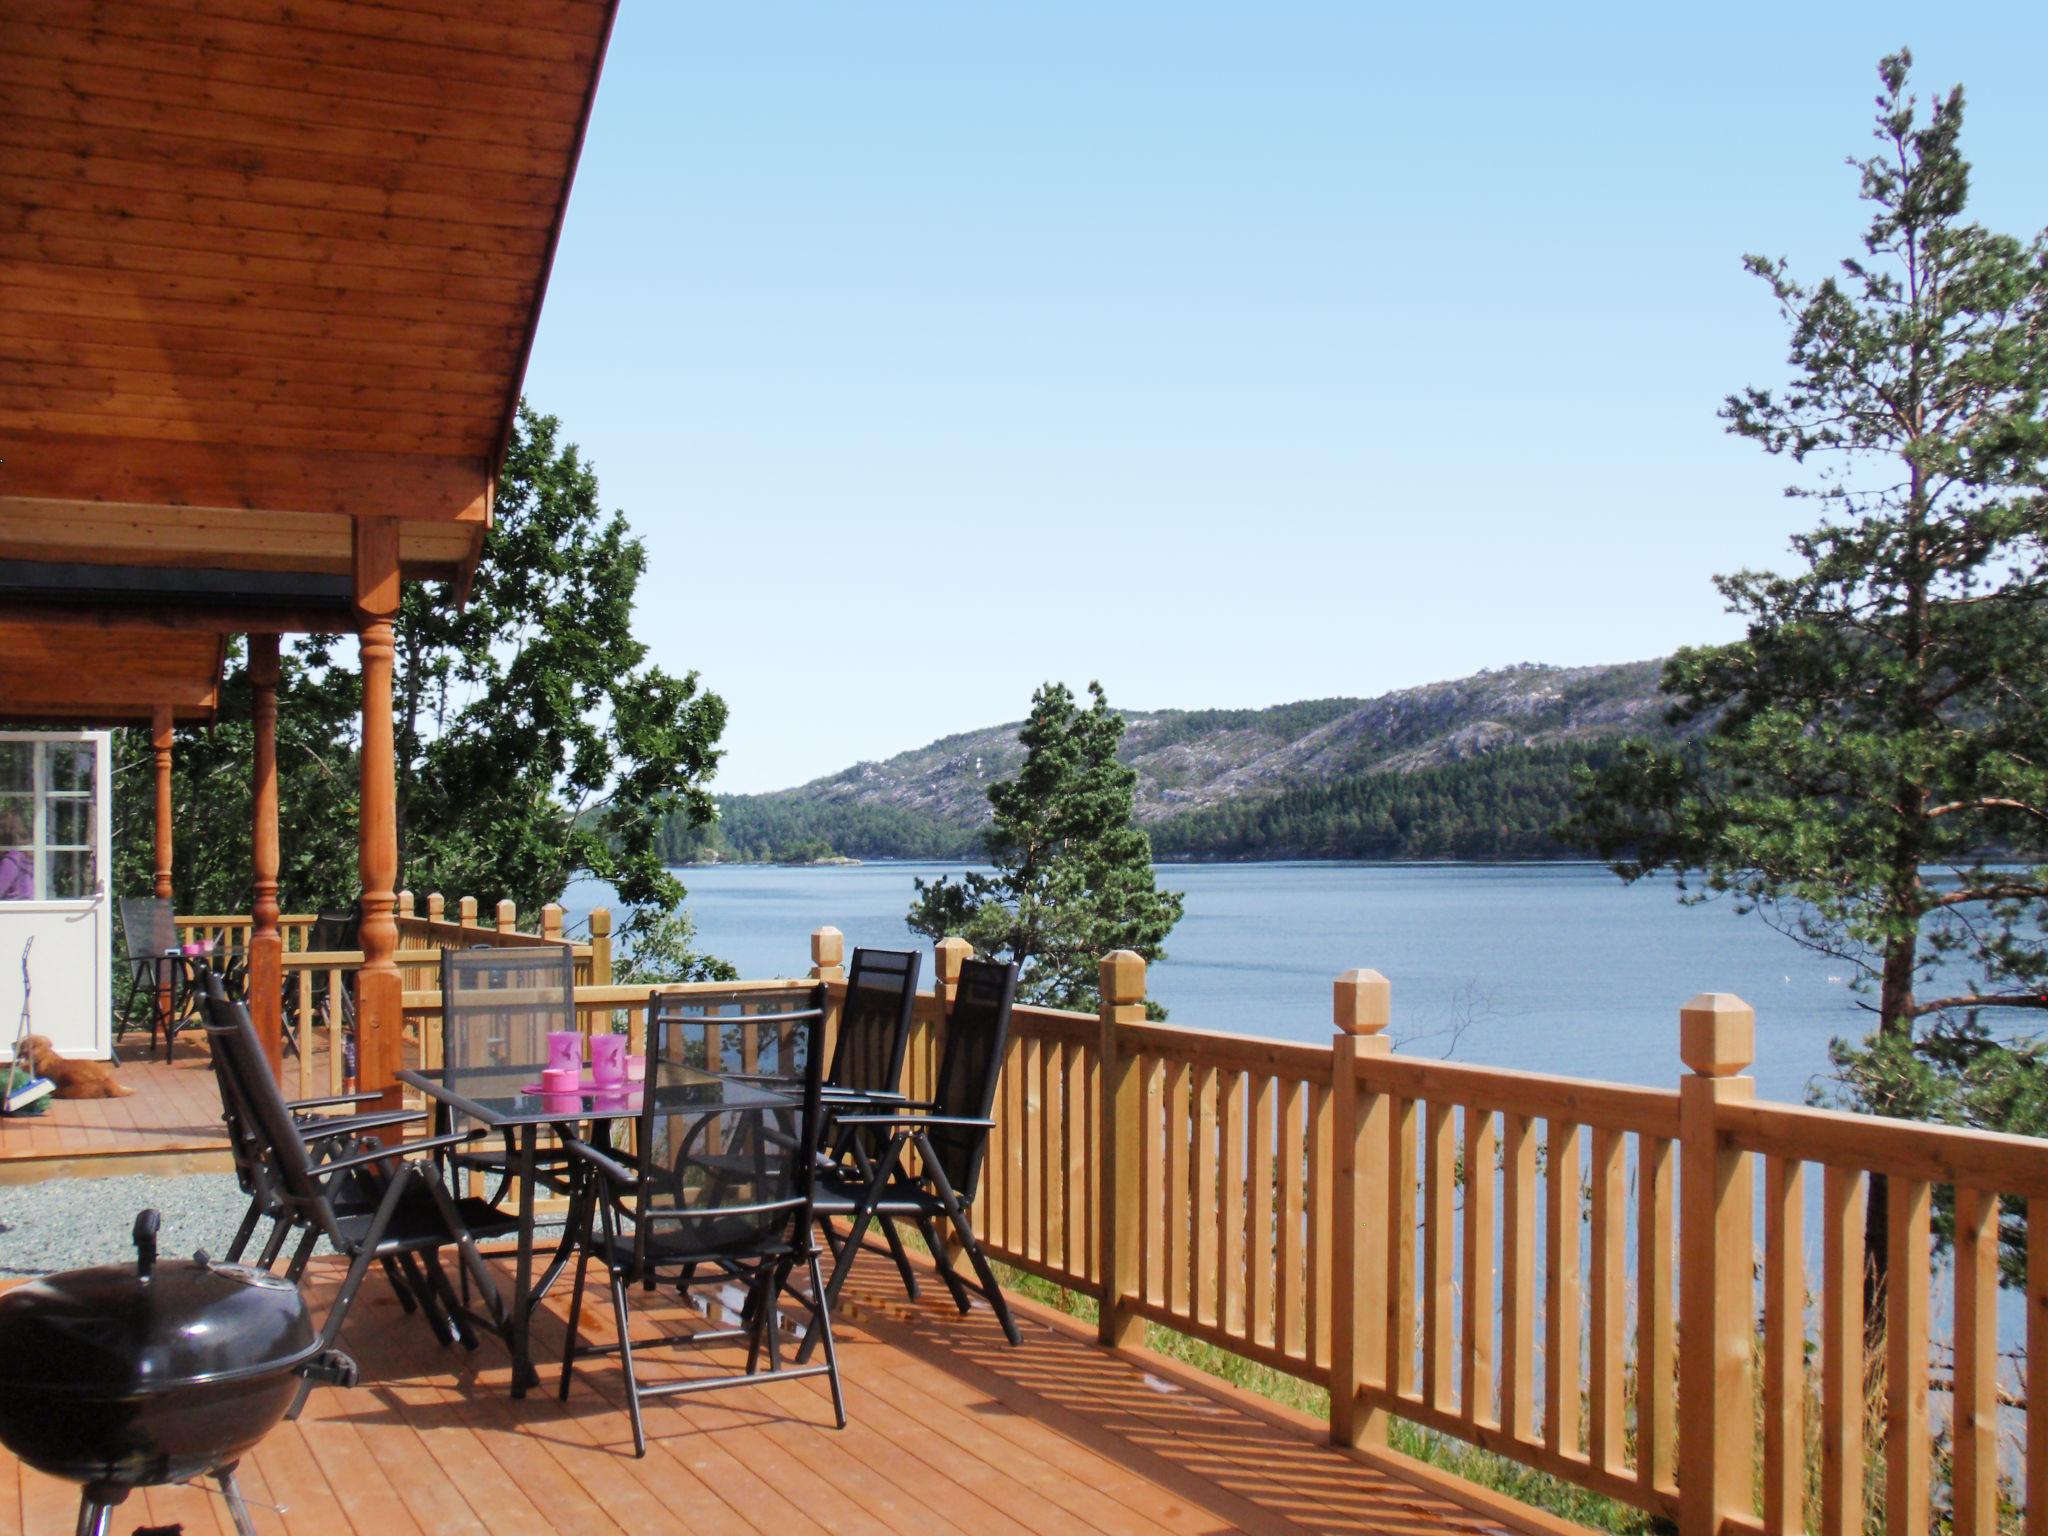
(950, 1430)
(170, 1124)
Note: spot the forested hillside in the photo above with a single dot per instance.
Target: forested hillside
(1480, 767)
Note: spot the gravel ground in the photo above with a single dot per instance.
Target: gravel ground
(67, 1223)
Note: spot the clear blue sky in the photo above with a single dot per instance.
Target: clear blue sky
(1230, 354)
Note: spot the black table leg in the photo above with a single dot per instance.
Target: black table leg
(523, 1373)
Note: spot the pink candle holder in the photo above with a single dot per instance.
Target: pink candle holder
(636, 1068)
(565, 1051)
(608, 1058)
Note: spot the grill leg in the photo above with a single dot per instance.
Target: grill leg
(96, 1508)
(231, 1491)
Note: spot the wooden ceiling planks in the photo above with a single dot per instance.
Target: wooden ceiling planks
(106, 673)
(266, 268)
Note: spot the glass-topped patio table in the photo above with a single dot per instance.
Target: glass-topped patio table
(499, 1099)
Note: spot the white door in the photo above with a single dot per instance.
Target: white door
(55, 843)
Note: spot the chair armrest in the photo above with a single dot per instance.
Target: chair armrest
(914, 1120)
(349, 1125)
(610, 1167)
(403, 1149)
(295, 1105)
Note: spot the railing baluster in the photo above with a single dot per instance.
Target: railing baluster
(1202, 1211)
(1058, 1121)
(1975, 1412)
(1230, 1209)
(336, 980)
(1401, 1129)
(1656, 1334)
(1265, 1250)
(1292, 1325)
(1784, 1346)
(1562, 1299)
(1439, 1189)
(1032, 1148)
(1152, 1074)
(1178, 1257)
(1518, 1279)
(1321, 1152)
(2036, 1490)
(1015, 1188)
(1475, 1386)
(1907, 1507)
(1610, 1231)
(1842, 1370)
(309, 1036)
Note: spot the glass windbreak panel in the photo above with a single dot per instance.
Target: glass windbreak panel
(71, 875)
(17, 767)
(70, 765)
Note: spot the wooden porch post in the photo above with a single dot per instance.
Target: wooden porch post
(1361, 1008)
(160, 740)
(1716, 1278)
(266, 941)
(1119, 1198)
(380, 994)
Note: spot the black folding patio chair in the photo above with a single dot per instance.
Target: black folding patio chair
(399, 1210)
(874, 1024)
(326, 1137)
(333, 931)
(716, 1193)
(949, 1137)
(150, 952)
(498, 1007)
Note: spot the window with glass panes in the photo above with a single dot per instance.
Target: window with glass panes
(47, 817)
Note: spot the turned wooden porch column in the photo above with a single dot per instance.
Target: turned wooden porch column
(380, 997)
(266, 942)
(160, 740)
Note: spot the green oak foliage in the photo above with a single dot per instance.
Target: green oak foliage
(1073, 870)
(1873, 772)
(534, 740)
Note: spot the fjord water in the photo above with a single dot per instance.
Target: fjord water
(1545, 967)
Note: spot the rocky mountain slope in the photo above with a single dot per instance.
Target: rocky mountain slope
(1195, 761)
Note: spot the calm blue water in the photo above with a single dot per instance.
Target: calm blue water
(1554, 968)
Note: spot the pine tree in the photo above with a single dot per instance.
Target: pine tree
(1073, 870)
(1886, 714)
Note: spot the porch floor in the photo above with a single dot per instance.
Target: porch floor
(949, 1429)
(171, 1123)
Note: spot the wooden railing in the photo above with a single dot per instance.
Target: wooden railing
(1495, 1255)
(432, 930)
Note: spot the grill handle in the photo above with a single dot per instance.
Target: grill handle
(330, 1368)
(146, 1225)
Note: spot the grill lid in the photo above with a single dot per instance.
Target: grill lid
(120, 1331)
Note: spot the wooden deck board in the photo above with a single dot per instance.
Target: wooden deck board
(174, 1114)
(951, 1429)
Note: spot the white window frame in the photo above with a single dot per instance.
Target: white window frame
(102, 832)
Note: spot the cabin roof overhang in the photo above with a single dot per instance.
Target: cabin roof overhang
(265, 275)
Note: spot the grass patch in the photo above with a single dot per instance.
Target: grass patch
(1537, 1489)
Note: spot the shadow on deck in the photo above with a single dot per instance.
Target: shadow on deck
(950, 1430)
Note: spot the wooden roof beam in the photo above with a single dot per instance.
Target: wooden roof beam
(163, 473)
